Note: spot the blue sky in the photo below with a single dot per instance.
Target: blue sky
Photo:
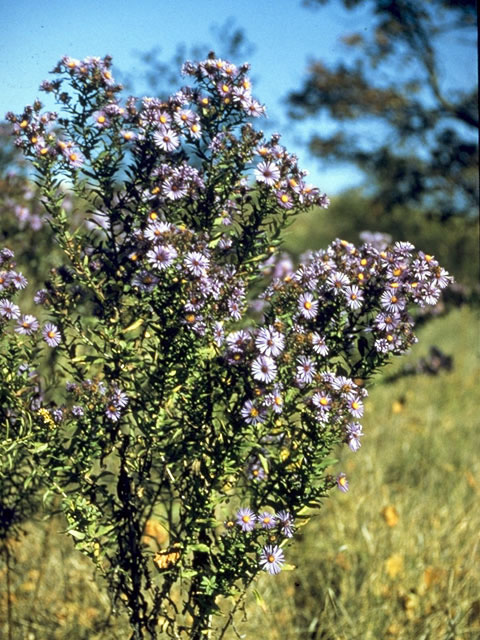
(35, 34)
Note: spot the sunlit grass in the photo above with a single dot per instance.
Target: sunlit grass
(396, 557)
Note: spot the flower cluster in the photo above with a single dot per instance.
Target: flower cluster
(280, 523)
(11, 282)
(97, 396)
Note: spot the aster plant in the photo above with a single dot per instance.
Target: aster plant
(194, 395)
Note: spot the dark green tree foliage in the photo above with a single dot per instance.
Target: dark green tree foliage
(428, 153)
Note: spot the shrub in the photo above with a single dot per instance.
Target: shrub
(193, 404)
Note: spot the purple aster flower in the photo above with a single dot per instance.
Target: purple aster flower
(77, 411)
(51, 335)
(354, 433)
(319, 345)
(428, 294)
(252, 107)
(269, 341)
(9, 310)
(272, 559)
(166, 139)
(196, 263)
(275, 399)
(218, 334)
(235, 309)
(163, 117)
(268, 173)
(195, 131)
(342, 482)
(185, 117)
(4, 280)
(27, 325)
(156, 230)
(305, 370)
(174, 188)
(74, 157)
(6, 255)
(308, 306)
(383, 346)
(128, 135)
(284, 199)
(354, 297)
(322, 400)
(18, 279)
(246, 519)
(119, 398)
(162, 256)
(256, 472)
(267, 520)
(251, 413)
(391, 301)
(387, 321)
(345, 386)
(238, 340)
(57, 415)
(101, 119)
(145, 281)
(355, 407)
(338, 282)
(113, 412)
(264, 369)
(285, 520)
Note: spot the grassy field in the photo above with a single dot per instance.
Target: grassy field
(396, 557)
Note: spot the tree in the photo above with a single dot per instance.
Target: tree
(427, 152)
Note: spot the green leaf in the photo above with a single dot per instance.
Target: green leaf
(199, 547)
(78, 535)
(134, 325)
(264, 462)
(189, 573)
